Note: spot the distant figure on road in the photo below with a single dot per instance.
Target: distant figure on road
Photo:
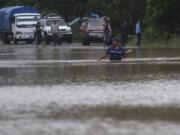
(116, 52)
(138, 33)
(84, 34)
(124, 34)
(55, 30)
(107, 31)
(38, 34)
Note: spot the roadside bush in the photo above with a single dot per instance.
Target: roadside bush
(151, 33)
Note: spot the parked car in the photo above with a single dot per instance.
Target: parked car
(65, 32)
(91, 30)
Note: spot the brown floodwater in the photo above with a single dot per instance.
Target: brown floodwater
(65, 91)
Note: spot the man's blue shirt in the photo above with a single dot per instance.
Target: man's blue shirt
(116, 53)
(138, 28)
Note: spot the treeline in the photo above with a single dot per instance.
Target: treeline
(161, 18)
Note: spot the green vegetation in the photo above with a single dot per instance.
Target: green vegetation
(173, 42)
(161, 18)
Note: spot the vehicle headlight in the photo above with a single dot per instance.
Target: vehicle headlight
(19, 33)
(69, 30)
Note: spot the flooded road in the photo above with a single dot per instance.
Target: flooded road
(65, 91)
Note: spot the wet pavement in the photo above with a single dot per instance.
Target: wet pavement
(65, 91)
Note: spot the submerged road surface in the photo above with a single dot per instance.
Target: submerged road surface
(65, 91)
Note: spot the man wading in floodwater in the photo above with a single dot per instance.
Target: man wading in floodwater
(115, 52)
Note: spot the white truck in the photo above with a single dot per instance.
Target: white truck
(18, 24)
(65, 32)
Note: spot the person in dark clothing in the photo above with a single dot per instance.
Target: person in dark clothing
(38, 34)
(107, 31)
(138, 33)
(123, 32)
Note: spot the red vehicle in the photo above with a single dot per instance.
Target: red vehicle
(92, 30)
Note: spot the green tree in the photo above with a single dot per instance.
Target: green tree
(19, 2)
(163, 17)
(67, 8)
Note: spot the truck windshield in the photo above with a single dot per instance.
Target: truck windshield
(59, 22)
(27, 21)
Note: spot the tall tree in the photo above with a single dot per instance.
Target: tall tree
(67, 8)
(163, 16)
(20, 2)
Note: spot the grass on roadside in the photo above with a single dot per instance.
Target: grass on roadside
(157, 43)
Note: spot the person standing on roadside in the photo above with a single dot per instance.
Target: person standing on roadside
(138, 33)
(55, 30)
(84, 34)
(107, 31)
(38, 34)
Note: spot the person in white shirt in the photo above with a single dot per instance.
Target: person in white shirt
(55, 30)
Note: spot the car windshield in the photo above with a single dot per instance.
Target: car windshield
(59, 22)
(95, 22)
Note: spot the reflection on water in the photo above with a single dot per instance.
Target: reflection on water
(66, 91)
(138, 52)
(76, 53)
(86, 74)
